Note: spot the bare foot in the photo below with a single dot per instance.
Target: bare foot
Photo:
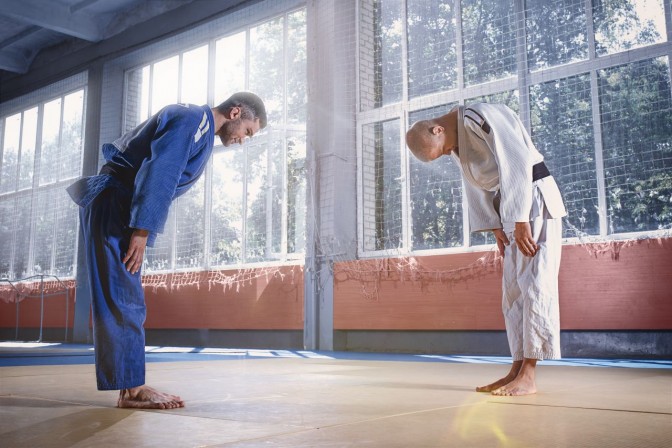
(497, 384)
(519, 386)
(515, 368)
(523, 384)
(145, 397)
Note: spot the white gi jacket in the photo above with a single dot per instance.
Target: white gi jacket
(496, 155)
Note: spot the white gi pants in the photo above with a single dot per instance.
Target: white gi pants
(530, 287)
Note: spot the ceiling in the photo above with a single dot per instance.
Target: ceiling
(28, 27)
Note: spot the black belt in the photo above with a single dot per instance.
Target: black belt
(539, 171)
(124, 174)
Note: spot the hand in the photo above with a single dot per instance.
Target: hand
(522, 234)
(136, 250)
(501, 238)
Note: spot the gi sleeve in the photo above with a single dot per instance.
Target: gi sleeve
(159, 175)
(483, 215)
(508, 141)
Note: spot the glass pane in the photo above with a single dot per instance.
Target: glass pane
(296, 77)
(22, 235)
(66, 234)
(164, 83)
(267, 67)
(296, 197)
(382, 186)
(49, 155)
(144, 96)
(489, 40)
(636, 113)
(71, 138)
(556, 32)
(562, 130)
(137, 97)
(10, 153)
(44, 228)
(28, 139)
(380, 42)
(190, 241)
(229, 66)
(227, 207)
(256, 216)
(509, 98)
(277, 195)
(195, 76)
(159, 257)
(432, 57)
(625, 24)
(7, 222)
(436, 195)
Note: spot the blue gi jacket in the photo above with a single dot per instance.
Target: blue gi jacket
(161, 158)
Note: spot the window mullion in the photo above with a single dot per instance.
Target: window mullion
(459, 50)
(522, 68)
(597, 122)
(209, 170)
(459, 47)
(285, 199)
(285, 203)
(243, 229)
(667, 5)
(180, 75)
(406, 215)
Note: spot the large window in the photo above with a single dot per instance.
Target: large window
(41, 148)
(249, 207)
(591, 82)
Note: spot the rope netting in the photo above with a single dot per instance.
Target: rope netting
(369, 273)
(12, 292)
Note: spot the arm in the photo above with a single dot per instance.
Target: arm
(514, 154)
(159, 175)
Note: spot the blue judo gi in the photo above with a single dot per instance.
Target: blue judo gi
(146, 169)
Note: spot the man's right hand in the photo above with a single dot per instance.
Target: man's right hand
(136, 250)
(502, 240)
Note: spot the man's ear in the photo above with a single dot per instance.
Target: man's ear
(234, 113)
(436, 130)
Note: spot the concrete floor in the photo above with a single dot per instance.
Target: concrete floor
(256, 398)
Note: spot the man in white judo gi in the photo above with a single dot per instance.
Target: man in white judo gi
(511, 193)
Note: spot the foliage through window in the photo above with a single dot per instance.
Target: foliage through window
(41, 150)
(591, 81)
(250, 205)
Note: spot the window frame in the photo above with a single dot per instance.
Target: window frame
(34, 192)
(272, 134)
(521, 82)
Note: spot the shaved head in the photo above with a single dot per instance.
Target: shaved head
(430, 139)
(418, 139)
(424, 141)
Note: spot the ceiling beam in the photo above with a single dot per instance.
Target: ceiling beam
(15, 61)
(18, 37)
(56, 17)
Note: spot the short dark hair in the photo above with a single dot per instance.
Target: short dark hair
(251, 106)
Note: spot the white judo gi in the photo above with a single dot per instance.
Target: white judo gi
(496, 157)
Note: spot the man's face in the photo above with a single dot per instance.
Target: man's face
(237, 130)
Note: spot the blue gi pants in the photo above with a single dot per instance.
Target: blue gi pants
(118, 299)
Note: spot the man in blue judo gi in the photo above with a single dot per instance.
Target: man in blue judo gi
(122, 210)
